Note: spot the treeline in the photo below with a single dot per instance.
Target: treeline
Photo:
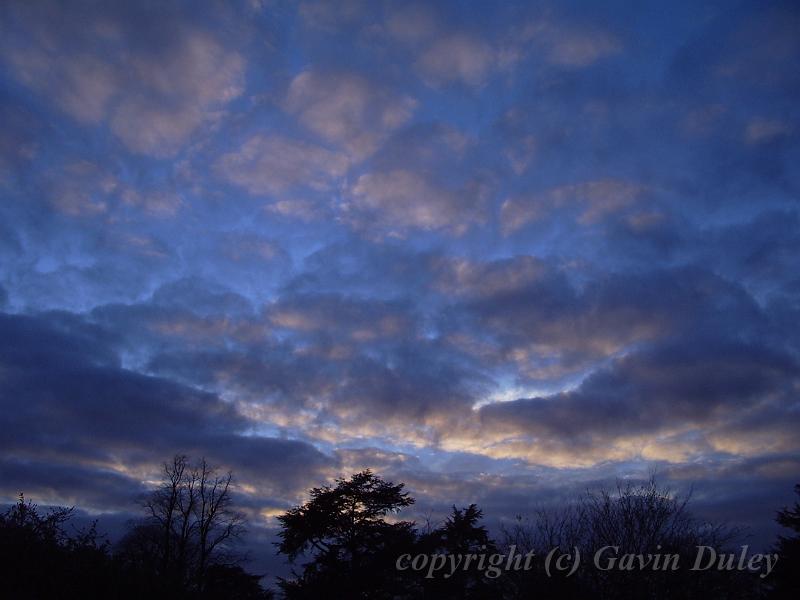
(349, 541)
(184, 547)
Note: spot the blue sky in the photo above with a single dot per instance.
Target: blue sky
(497, 251)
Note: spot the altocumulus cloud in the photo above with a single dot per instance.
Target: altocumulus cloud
(499, 257)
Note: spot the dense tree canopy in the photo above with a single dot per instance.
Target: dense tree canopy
(345, 532)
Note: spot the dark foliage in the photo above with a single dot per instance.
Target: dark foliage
(180, 550)
(343, 535)
(353, 548)
(40, 558)
(346, 540)
(787, 573)
(460, 534)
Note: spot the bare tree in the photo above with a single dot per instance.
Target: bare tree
(163, 506)
(216, 521)
(633, 519)
(192, 511)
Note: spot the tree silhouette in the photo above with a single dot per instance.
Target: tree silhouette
(787, 571)
(633, 519)
(190, 525)
(39, 558)
(181, 550)
(345, 533)
(460, 535)
(346, 542)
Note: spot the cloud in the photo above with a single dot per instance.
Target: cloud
(156, 203)
(617, 413)
(458, 57)
(530, 314)
(329, 366)
(269, 165)
(761, 130)
(85, 189)
(97, 71)
(18, 141)
(443, 54)
(594, 200)
(83, 87)
(82, 189)
(179, 93)
(347, 110)
(570, 46)
(331, 15)
(82, 413)
(412, 23)
(475, 253)
(399, 200)
(341, 318)
(462, 277)
(70, 484)
(447, 55)
(425, 146)
(295, 208)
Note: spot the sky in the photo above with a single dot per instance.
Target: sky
(502, 252)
